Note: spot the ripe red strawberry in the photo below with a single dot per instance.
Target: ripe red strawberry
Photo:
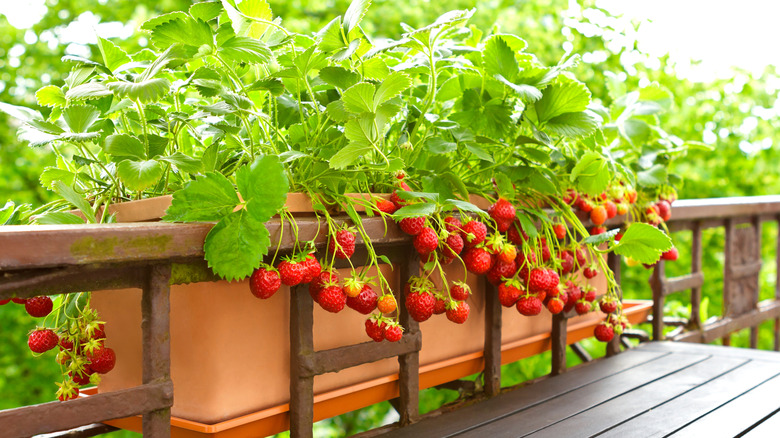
(98, 331)
(264, 283)
(581, 255)
(540, 280)
(41, 340)
(452, 246)
(452, 224)
(555, 305)
(582, 307)
(332, 299)
(631, 195)
(460, 291)
(312, 268)
(325, 278)
(346, 241)
(589, 272)
(529, 305)
(546, 255)
(387, 303)
(82, 378)
(671, 255)
(597, 230)
(585, 205)
(458, 312)
(502, 210)
(508, 294)
(38, 306)
(375, 329)
(477, 260)
(19, 300)
(664, 210)
(365, 302)
(567, 261)
(394, 332)
(291, 273)
(5, 301)
(604, 332)
(515, 234)
(385, 206)
(503, 225)
(508, 253)
(441, 305)
(412, 225)
(560, 231)
(102, 360)
(590, 293)
(610, 208)
(501, 270)
(65, 343)
(420, 305)
(608, 305)
(426, 242)
(598, 215)
(474, 232)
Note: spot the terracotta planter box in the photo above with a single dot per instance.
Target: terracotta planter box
(230, 351)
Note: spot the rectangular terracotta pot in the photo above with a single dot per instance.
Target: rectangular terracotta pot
(230, 351)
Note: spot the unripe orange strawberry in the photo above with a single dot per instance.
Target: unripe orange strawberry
(387, 304)
(598, 215)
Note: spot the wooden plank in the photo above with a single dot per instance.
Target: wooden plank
(741, 413)
(56, 416)
(767, 428)
(606, 414)
(301, 345)
(155, 328)
(745, 270)
(715, 208)
(684, 282)
(767, 309)
(41, 246)
(337, 359)
(538, 418)
(55, 281)
(716, 350)
(82, 432)
(492, 347)
(511, 402)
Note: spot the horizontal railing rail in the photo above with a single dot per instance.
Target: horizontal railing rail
(51, 260)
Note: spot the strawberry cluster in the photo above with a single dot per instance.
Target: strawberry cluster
(82, 355)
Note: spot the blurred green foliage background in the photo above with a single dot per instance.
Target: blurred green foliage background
(735, 115)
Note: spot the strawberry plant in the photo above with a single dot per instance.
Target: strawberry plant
(228, 111)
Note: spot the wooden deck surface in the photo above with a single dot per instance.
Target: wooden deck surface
(658, 389)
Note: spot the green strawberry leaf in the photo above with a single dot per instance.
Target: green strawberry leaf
(149, 90)
(88, 91)
(59, 218)
(339, 77)
(243, 49)
(236, 245)
(124, 146)
(208, 198)
(206, 11)
(391, 87)
(355, 12)
(248, 17)
(52, 96)
(561, 98)
(113, 56)
(415, 210)
(138, 175)
(183, 162)
(349, 154)
(263, 185)
(643, 243)
(573, 125)
(598, 239)
(499, 59)
(654, 176)
(359, 98)
(591, 174)
(74, 198)
(80, 118)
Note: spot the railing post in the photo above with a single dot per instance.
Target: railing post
(558, 347)
(657, 285)
(301, 347)
(756, 222)
(155, 324)
(408, 364)
(694, 323)
(492, 347)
